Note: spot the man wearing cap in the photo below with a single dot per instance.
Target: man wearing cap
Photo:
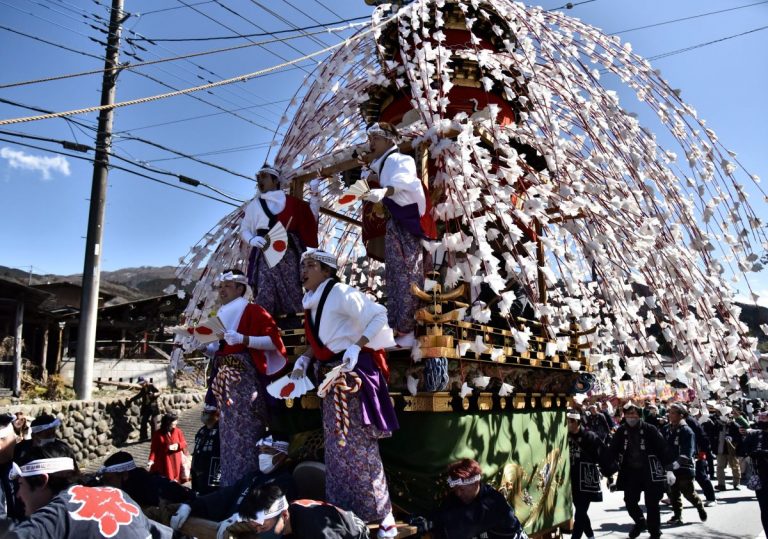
(703, 454)
(347, 332)
(59, 508)
(682, 446)
(642, 456)
(146, 489)
(252, 351)
(755, 446)
(403, 195)
(277, 288)
(269, 513)
(275, 467)
(587, 457)
(206, 461)
(472, 509)
(148, 409)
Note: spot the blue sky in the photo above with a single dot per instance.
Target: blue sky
(46, 197)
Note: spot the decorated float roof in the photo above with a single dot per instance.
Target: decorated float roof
(647, 221)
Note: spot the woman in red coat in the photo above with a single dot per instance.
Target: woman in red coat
(166, 453)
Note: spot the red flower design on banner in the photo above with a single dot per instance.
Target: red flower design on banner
(105, 505)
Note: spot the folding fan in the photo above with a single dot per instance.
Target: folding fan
(358, 190)
(206, 331)
(289, 388)
(277, 243)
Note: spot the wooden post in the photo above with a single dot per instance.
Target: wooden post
(57, 367)
(121, 355)
(17, 348)
(44, 357)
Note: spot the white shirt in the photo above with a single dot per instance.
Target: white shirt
(399, 172)
(347, 315)
(255, 218)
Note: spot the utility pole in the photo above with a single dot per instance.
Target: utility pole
(89, 303)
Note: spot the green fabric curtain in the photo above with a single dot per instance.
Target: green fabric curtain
(523, 453)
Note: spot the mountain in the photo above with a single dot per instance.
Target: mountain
(127, 284)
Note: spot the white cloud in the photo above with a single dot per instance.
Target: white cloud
(44, 164)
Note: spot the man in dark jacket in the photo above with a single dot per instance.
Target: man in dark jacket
(703, 452)
(682, 446)
(755, 446)
(728, 438)
(206, 456)
(587, 452)
(642, 456)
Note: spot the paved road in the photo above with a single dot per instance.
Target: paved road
(736, 516)
(189, 422)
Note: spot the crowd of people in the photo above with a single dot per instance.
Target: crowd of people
(656, 449)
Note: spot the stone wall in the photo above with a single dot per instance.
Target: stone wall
(97, 428)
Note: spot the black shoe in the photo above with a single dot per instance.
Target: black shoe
(702, 514)
(720, 488)
(675, 521)
(637, 529)
(736, 487)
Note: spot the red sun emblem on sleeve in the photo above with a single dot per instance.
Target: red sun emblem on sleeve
(105, 505)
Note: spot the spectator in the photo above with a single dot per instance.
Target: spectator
(755, 446)
(206, 464)
(728, 438)
(167, 451)
(148, 409)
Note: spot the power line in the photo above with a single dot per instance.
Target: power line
(57, 45)
(239, 78)
(671, 21)
(325, 6)
(283, 19)
(144, 63)
(262, 34)
(700, 45)
(172, 8)
(570, 5)
(118, 167)
(198, 117)
(215, 152)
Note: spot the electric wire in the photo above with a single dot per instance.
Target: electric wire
(118, 167)
(216, 84)
(53, 44)
(325, 6)
(243, 36)
(706, 43)
(284, 20)
(171, 8)
(671, 21)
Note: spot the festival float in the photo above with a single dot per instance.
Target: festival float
(565, 232)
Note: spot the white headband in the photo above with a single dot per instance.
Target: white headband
(321, 256)
(462, 482)
(270, 170)
(7, 431)
(42, 466)
(573, 416)
(232, 277)
(118, 468)
(280, 505)
(52, 425)
(376, 130)
(277, 445)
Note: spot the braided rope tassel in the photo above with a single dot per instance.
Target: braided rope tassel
(225, 378)
(341, 404)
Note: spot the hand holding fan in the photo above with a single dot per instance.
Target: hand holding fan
(207, 331)
(358, 190)
(277, 244)
(289, 388)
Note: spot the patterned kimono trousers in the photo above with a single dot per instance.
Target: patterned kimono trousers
(354, 478)
(236, 389)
